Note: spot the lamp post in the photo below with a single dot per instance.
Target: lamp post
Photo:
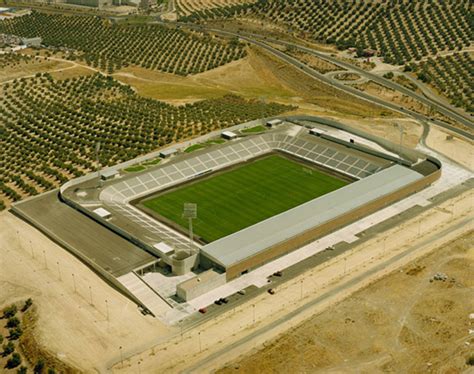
(74, 281)
(190, 212)
(90, 293)
(400, 128)
(44, 257)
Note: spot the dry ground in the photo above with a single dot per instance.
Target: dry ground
(401, 323)
(452, 146)
(69, 325)
(384, 93)
(30, 68)
(258, 75)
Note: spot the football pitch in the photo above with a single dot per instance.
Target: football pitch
(247, 194)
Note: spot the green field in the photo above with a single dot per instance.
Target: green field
(243, 196)
(255, 129)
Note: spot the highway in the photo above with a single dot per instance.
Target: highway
(440, 107)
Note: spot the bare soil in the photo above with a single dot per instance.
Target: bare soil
(75, 323)
(258, 75)
(404, 322)
(316, 63)
(395, 97)
(30, 68)
(452, 146)
(347, 76)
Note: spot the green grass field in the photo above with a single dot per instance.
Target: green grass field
(254, 129)
(243, 196)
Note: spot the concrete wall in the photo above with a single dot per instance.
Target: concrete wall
(208, 281)
(109, 278)
(330, 226)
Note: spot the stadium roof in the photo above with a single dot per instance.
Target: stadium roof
(246, 243)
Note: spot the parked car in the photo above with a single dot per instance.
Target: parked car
(271, 291)
(218, 302)
(202, 310)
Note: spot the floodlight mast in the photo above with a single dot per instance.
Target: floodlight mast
(400, 128)
(190, 212)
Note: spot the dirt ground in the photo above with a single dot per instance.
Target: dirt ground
(388, 129)
(72, 325)
(30, 68)
(393, 96)
(405, 322)
(258, 75)
(452, 146)
(316, 63)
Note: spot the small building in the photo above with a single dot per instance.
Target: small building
(315, 132)
(103, 213)
(32, 42)
(229, 135)
(274, 123)
(108, 174)
(168, 152)
(4, 10)
(200, 284)
(370, 52)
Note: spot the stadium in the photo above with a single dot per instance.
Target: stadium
(253, 199)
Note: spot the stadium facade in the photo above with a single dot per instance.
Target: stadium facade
(381, 173)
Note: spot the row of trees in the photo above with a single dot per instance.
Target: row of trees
(15, 331)
(452, 76)
(401, 31)
(111, 46)
(52, 127)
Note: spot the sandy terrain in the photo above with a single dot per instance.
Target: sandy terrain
(382, 92)
(69, 325)
(401, 323)
(388, 129)
(244, 77)
(456, 148)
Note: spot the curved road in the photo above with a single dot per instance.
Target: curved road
(441, 108)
